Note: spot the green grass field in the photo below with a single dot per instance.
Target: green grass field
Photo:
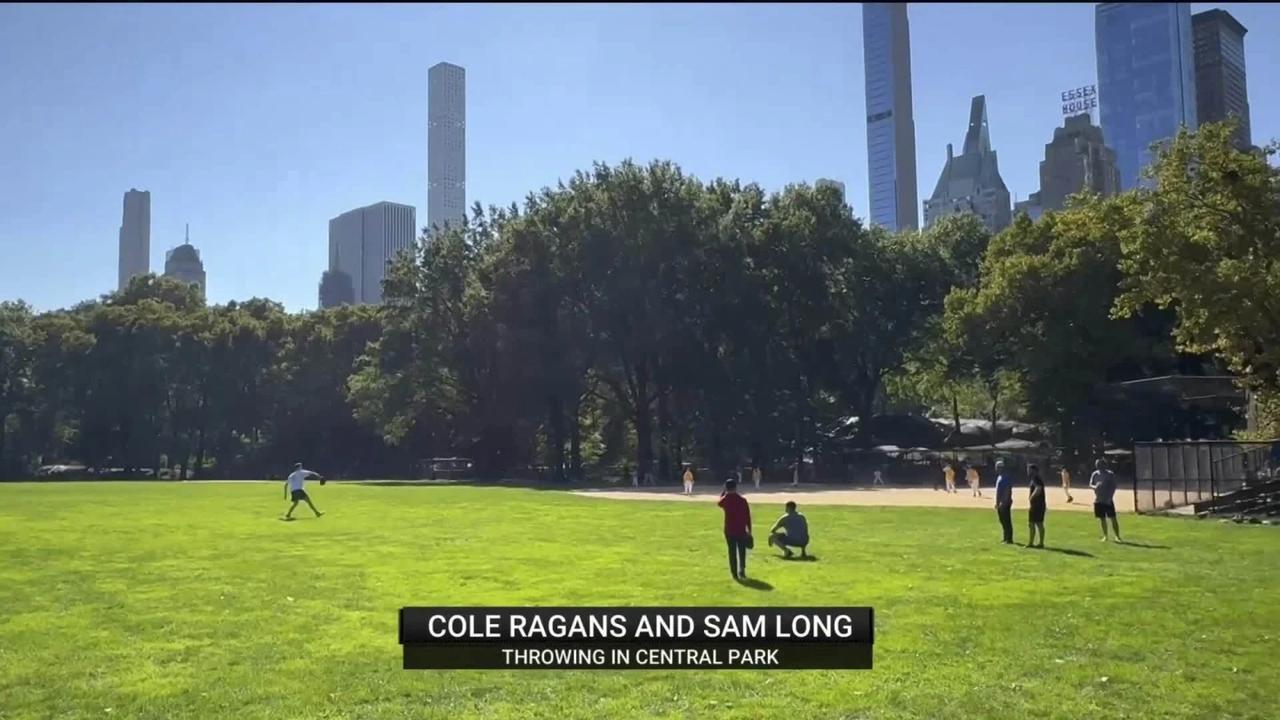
(196, 601)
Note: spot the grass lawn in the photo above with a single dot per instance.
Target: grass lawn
(195, 601)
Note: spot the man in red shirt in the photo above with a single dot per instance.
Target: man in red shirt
(737, 528)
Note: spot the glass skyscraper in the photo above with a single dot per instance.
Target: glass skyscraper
(891, 128)
(1146, 79)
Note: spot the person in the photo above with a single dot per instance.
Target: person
(1035, 516)
(1004, 502)
(688, 479)
(795, 475)
(794, 533)
(293, 485)
(949, 477)
(877, 478)
(975, 480)
(1103, 482)
(756, 476)
(737, 528)
(1066, 482)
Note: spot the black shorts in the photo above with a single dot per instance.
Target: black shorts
(298, 495)
(1036, 513)
(1104, 510)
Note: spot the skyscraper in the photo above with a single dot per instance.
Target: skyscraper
(891, 127)
(1221, 83)
(971, 182)
(446, 145)
(1146, 79)
(364, 241)
(135, 237)
(183, 263)
(1077, 159)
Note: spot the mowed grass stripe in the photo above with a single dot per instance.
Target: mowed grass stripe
(194, 600)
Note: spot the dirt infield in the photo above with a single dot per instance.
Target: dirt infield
(880, 496)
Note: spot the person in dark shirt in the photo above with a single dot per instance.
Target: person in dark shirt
(1004, 502)
(1038, 507)
(791, 530)
(737, 528)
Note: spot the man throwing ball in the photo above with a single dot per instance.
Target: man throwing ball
(294, 491)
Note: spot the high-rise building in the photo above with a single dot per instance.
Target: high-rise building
(446, 145)
(891, 127)
(1221, 83)
(364, 241)
(1077, 159)
(135, 237)
(1146, 79)
(336, 289)
(183, 263)
(971, 182)
(825, 182)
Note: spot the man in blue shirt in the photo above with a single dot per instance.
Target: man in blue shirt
(1004, 501)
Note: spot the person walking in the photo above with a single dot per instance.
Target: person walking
(756, 476)
(688, 479)
(975, 480)
(1066, 482)
(737, 528)
(1103, 482)
(949, 477)
(1004, 502)
(1035, 516)
(877, 478)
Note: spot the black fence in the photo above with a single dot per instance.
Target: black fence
(1170, 475)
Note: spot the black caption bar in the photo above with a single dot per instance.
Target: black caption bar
(792, 638)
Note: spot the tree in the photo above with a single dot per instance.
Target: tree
(1206, 244)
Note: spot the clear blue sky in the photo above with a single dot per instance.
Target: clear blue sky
(257, 124)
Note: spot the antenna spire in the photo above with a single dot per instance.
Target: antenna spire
(188, 233)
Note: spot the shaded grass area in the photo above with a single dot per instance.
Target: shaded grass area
(194, 601)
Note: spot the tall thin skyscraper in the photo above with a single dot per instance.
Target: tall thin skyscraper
(446, 145)
(891, 127)
(135, 237)
(1146, 79)
(364, 241)
(1221, 82)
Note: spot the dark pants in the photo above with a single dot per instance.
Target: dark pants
(737, 555)
(1006, 521)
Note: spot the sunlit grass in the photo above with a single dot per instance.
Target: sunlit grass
(196, 601)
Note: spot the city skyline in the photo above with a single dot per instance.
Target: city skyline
(262, 179)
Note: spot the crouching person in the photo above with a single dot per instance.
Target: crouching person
(791, 530)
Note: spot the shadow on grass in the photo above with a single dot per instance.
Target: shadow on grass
(1068, 551)
(1128, 543)
(755, 584)
(798, 558)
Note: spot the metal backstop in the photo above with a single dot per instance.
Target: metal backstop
(1171, 475)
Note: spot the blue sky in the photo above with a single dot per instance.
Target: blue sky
(256, 124)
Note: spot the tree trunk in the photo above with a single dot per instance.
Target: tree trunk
(643, 424)
(575, 442)
(664, 440)
(555, 423)
(955, 411)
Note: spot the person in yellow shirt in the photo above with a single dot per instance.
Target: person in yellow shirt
(975, 481)
(949, 477)
(688, 479)
(1066, 482)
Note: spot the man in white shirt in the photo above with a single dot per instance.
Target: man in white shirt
(294, 491)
